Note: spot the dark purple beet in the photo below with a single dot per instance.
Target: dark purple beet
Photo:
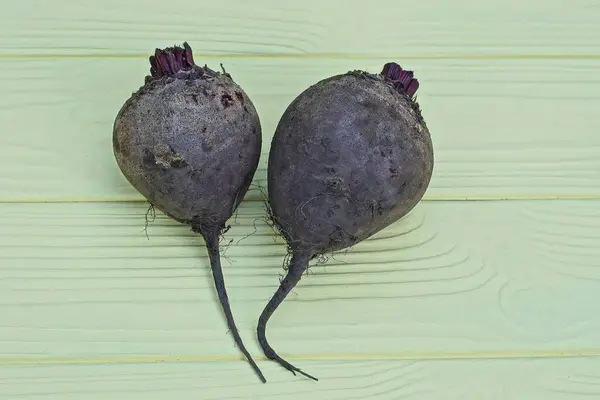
(189, 141)
(350, 156)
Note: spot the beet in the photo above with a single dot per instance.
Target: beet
(189, 140)
(350, 156)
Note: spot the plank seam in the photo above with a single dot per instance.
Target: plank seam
(498, 355)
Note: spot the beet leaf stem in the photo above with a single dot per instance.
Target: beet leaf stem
(212, 244)
(298, 265)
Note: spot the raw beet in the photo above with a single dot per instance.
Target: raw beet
(189, 141)
(350, 156)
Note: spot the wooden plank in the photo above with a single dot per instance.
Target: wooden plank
(432, 28)
(548, 379)
(501, 128)
(453, 279)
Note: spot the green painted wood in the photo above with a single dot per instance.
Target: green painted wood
(452, 279)
(575, 378)
(430, 28)
(500, 128)
(459, 300)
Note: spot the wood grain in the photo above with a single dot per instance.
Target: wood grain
(453, 279)
(531, 379)
(501, 128)
(460, 300)
(432, 28)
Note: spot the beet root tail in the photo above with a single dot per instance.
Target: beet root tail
(298, 265)
(212, 245)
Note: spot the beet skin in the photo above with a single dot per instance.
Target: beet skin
(350, 156)
(189, 141)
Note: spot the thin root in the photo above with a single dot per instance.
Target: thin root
(150, 210)
(273, 356)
